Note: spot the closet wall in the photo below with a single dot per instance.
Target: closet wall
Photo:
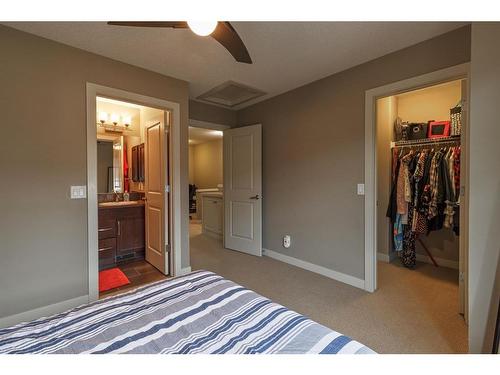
(432, 103)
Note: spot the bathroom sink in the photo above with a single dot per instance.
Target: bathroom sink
(120, 204)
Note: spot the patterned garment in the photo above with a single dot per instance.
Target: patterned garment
(456, 171)
(451, 160)
(449, 211)
(400, 192)
(433, 185)
(197, 313)
(398, 233)
(403, 186)
(408, 256)
(417, 223)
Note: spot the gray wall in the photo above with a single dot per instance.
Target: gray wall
(207, 164)
(313, 153)
(43, 233)
(484, 201)
(211, 113)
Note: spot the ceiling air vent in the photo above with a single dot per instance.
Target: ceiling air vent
(230, 94)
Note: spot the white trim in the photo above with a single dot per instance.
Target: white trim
(440, 261)
(384, 257)
(335, 275)
(207, 125)
(185, 271)
(440, 76)
(93, 90)
(43, 311)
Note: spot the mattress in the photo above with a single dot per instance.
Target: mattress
(201, 312)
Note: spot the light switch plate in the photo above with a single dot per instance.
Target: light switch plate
(361, 189)
(78, 192)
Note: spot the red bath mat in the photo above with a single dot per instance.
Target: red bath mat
(112, 278)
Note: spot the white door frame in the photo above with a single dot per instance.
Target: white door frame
(207, 125)
(94, 90)
(455, 72)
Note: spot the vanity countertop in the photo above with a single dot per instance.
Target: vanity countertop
(121, 204)
(214, 194)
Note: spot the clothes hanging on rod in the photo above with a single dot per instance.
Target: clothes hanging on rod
(424, 194)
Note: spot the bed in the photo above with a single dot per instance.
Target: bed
(201, 312)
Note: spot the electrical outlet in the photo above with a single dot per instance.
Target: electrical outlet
(286, 241)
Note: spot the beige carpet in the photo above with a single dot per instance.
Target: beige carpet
(411, 312)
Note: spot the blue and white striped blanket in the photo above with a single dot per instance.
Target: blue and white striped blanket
(197, 313)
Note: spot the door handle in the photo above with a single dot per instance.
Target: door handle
(256, 197)
(119, 228)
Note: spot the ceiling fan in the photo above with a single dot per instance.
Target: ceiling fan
(223, 32)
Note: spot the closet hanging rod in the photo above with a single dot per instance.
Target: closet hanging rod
(454, 139)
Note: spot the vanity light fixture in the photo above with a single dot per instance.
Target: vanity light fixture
(103, 117)
(115, 118)
(111, 122)
(127, 120)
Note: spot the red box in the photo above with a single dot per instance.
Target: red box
(438, 129)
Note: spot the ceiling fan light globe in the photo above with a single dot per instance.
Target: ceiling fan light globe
(202, 28)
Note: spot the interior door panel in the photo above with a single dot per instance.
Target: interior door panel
(243, 189)
(156, 209)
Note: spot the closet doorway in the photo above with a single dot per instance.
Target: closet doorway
(416, 179)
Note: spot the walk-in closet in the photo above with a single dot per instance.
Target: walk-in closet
(421, 174)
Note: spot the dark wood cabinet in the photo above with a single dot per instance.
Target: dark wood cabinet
(121, 235)
(138, 163)
(141, 163)
(135, 164)
(130, 234)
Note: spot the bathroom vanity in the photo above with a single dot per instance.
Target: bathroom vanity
(121, 227)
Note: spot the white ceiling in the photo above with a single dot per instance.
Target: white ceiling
(286, 55)
(200, 135)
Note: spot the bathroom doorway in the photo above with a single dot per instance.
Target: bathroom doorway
(130, 193)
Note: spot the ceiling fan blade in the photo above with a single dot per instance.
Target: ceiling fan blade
(173, 24)
(226, 35)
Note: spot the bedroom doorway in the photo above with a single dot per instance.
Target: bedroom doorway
(133, 216)
(228, 216)
(206, 189)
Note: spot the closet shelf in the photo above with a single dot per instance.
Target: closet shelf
(427, 141)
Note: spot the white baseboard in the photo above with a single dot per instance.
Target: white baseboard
(39, 312)
(384, 257)
(184, 271)
(440, 261)
(347, 279)
(217, 236)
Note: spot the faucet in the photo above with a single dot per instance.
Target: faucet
(117, 197)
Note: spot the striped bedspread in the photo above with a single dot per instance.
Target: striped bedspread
(197, 313)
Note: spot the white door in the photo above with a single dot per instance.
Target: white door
(155, 167)
(243, 189)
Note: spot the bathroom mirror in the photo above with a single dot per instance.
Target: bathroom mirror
(110, 164)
